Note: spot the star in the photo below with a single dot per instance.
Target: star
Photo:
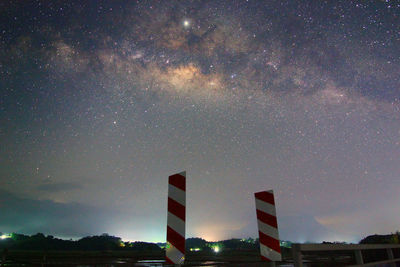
(186, 23)
(298, 98)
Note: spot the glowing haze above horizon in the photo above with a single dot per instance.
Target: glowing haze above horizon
(100, 101)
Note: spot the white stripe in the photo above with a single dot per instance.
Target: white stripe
(177, 194)
(174, 254)
(270, 253)
(268, 230)
(265, 207)
(176, 223)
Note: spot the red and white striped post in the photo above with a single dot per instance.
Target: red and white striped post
(270, 249)
(175, 250)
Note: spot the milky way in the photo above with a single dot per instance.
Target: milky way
(100, 102)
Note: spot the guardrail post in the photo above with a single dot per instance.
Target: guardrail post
(390, 256)
(176, 218)
(270, 249)
(297, 257)
(359, 257)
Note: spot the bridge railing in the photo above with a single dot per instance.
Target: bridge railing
(298, 250)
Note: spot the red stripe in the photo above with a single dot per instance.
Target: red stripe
(176, 208)
(168, 260)
(265, 258)
(178, 181)
(270, 242)
(265, 196)
(267, 218)
(176, 239)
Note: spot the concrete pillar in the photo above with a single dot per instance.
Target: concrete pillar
(390, 256)
(358, 255)
(297, 257)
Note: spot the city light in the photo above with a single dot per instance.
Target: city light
(5, 236)
(216, 249)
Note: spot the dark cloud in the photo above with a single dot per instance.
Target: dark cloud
(296, 227)
(27, 215)
(57, 187)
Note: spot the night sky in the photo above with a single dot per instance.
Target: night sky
(100, 101)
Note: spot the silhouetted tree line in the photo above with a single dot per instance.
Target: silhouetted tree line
(229, 244)
(239, 244)
(103, 242)
(196, 242)
(382, 239)
(108, 242)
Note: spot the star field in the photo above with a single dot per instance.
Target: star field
(101, 101)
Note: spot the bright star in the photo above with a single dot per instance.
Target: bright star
(186, 23)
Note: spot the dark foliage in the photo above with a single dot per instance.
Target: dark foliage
(143, 246)
(196, 242)
(100, 243)
(238, 244)
(382, 239)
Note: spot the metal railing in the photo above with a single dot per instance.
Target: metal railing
(298, 250)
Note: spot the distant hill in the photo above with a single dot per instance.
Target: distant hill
(41, 242)
(382, 239)
(107, 242)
